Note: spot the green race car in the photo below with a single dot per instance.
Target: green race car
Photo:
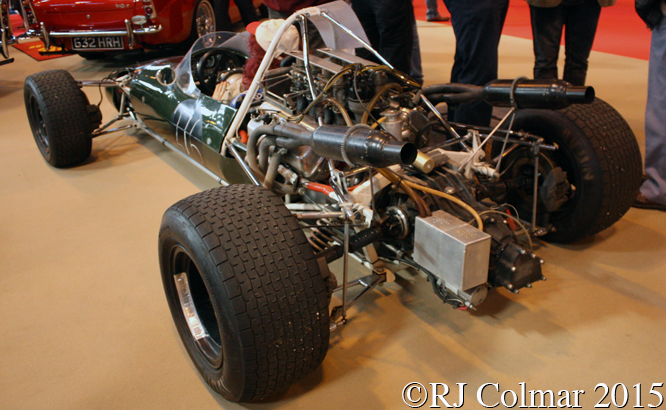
(327, 156)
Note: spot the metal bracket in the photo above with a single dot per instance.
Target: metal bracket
(339, 185)
(130, 34)
(339, 313)
(46, 39)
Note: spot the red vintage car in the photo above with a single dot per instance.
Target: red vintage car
(95, 27)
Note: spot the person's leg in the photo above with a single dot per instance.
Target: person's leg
(395, 20)
(654, 188)
(432, 9)
(366, 15)
(247, 11)
(221, 11)
(547, 25)
(416, 67)
(477, 26)
(580, 23)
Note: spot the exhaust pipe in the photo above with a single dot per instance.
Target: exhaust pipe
(356, 145)
(544, 94)
(550, 94)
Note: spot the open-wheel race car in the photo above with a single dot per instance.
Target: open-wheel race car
(330, 157)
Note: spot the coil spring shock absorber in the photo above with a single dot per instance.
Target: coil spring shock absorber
(320, 238)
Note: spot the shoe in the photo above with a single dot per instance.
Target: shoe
(642, 202)
(438, 18)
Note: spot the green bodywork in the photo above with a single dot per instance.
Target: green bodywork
(155, 98)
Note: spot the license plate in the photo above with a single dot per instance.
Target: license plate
(104, 42)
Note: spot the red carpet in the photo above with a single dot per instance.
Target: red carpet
(17, 24)
(31, 48)
(620, 30)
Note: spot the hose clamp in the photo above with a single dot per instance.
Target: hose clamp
(514, 84)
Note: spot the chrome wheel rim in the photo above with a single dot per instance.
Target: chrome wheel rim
(205, 19)
(196, 307)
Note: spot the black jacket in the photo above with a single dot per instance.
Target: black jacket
(649, 11)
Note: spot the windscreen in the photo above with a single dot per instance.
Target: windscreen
(222, 39)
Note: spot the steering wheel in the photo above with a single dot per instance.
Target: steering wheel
(210, 63)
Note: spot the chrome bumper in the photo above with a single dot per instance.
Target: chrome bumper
(129, 32)
(7, 37)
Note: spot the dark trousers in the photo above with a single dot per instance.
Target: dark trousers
(580, 18)
(388, 25)
(477, 26)
(247, 11)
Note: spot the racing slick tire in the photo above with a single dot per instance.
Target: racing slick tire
(58, 113)
(601, 158)
(244, 289)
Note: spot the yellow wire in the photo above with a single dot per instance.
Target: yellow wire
(395, 72)
(400, 183)
(342, 110)
(373, 101)
(379, 121)
(515, 219)
(451, 198)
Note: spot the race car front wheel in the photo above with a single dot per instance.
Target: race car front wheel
(58, 115)
(244, 289)
(600, 156)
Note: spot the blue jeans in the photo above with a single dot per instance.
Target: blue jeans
(655, 119)
(580, 18)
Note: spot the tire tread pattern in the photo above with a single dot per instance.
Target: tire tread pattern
(65, 116)
(618, 154)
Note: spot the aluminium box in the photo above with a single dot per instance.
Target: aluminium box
(452, 250)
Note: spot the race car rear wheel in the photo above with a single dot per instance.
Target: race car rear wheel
(600, 155)
(58, 115)
(244, 289)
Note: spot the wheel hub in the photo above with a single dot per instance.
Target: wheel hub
(205, 19)
(38, 119)
(197, 309)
